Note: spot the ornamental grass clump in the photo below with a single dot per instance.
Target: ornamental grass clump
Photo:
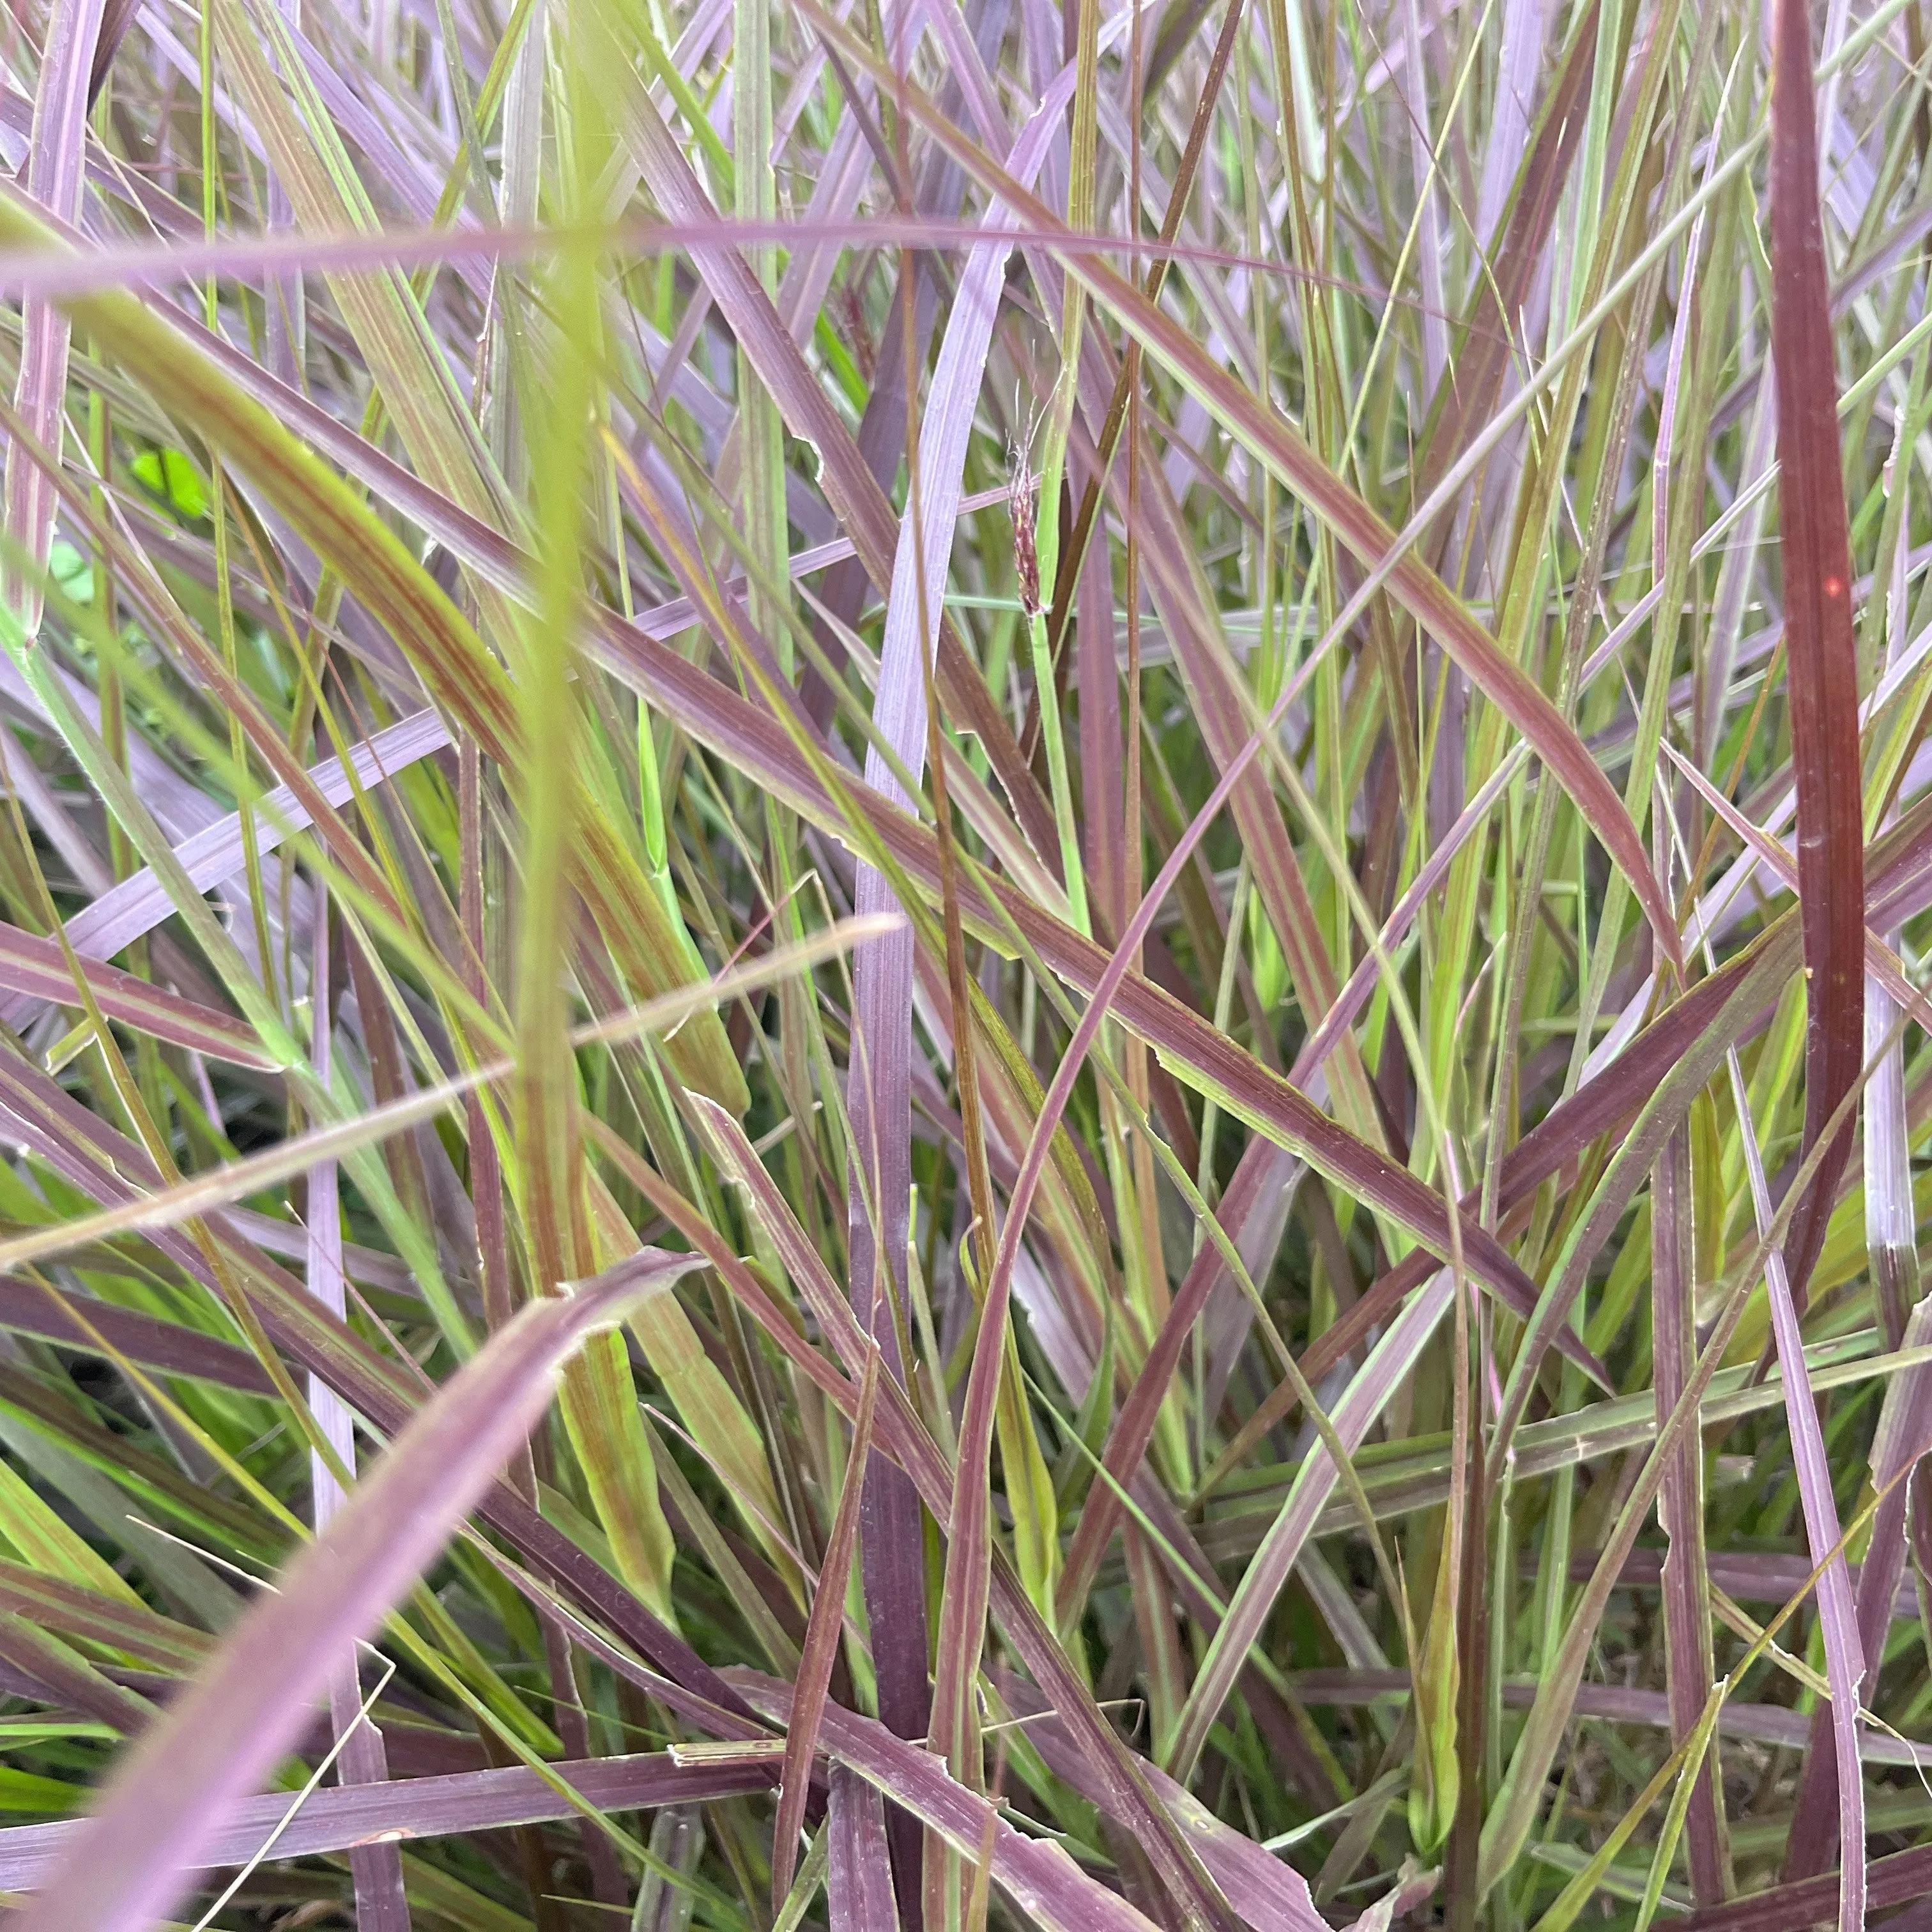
(960, 965)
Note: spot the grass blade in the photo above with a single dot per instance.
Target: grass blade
(1822, 674)
(822, 1634)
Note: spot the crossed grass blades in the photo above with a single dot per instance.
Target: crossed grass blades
(960, 964)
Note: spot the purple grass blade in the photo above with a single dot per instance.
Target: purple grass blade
(1103, 787)
(1905, 1419)
(166, 1348)
(1890, 1219)
(823, 1631)
(381, 1903)
(1518, 238)
(880, 1094)
(335, 1819)
(1413, 87)
(171, 1793)
(1751, 1577)
(858, 1895)
(33, 970)
(1903, 1434)
(923, 556)
(1689, 1663)
(969, 1545)
(1905, 1878)
(1049, 1889)
(55, 178)
(803, 1262)
(117, 16)
(72, 1610)
(1822, 676)
(1525, 29)
(1838, 1616)
(58, 1675)
(1620, 1704)
(1181, 596)
(727, 737)
(469, 248)
(286, 298)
